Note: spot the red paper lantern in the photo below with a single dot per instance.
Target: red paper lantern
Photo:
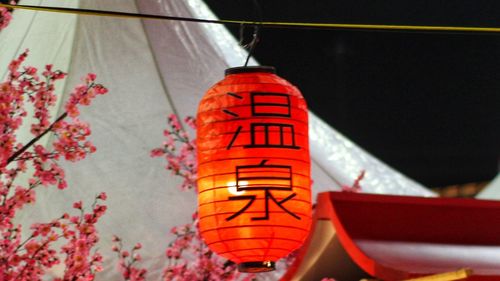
(254, 194)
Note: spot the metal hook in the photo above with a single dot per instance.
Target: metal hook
(250, 46)
(255, 36)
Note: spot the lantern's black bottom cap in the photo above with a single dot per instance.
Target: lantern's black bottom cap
(256, 266)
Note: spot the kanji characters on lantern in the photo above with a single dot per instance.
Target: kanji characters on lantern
(270, 178)
(253, 168)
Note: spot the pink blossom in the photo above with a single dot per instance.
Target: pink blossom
(179, 151)
(356, 187)
(83, 94)
(128, 260)
(77, 205)
(137, 257)
(174, 122)
(190, 121)
(5, 18)
(157, 152)
(102, 196)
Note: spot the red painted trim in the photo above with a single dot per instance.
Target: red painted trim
(411, 219)
(439, 221)
(365, 262)
(418, 219)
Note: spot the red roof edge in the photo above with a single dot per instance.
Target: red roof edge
(396, 220)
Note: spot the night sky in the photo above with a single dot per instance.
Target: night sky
(428, 104)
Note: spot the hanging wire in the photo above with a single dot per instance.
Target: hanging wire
(269, 24)
(242, 35)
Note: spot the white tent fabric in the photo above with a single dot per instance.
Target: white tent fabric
(152, 69)
(492, 190)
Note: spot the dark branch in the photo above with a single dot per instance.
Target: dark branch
(34, 140)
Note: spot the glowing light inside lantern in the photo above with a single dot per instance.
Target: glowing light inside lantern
(231, 187)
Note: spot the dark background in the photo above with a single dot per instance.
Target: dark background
(428, 104)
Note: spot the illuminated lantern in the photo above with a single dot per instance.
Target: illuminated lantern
(254, 187)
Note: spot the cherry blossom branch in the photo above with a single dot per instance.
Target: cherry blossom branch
(29, 258)
(179, 151)
(37, 138)
(127, 260)
(51, 127)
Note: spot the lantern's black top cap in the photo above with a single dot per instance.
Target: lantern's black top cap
(250, 69)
